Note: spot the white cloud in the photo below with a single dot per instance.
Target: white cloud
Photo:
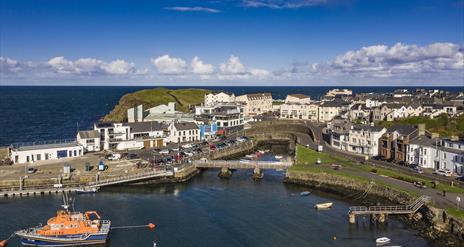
(91, 66)
(8, 65)
(169, 65)
(400, 59)
(193, 9)
(198, 67)
(260, 73)
(282, 4)
(233, 66)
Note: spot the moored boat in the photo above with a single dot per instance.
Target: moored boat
(68, 228)
(382, 241)
(305, 193)
(279, 157)
(323, 205)
(87, 190)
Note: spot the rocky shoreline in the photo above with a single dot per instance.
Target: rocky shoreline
(433, 223)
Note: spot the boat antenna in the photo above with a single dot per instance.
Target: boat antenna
(65, 201)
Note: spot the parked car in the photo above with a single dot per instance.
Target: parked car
(189, 154)
(445, 173)
(114, 156)
(188, 145)
(417, 169)
(31, 170)
(132, 156)
(58, 186)
(212, 147)
(164, 151)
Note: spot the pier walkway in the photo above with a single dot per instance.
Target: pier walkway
(241, 164)
(43, 190)
(381, 211)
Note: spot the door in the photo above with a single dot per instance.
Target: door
(146, 144)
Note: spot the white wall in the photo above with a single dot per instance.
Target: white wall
(31, 156)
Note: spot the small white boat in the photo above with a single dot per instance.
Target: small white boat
(305, 193)
(323, 205)
(261, 151)
(250, 156)
(87, 190)
(279, 157)
(382, 241)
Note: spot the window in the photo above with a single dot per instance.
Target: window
(39, 157)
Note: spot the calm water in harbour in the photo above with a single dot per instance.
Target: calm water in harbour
(208, 211)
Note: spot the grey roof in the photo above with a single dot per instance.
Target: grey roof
(138, 127)
(334, 103)
(424, 140)
(87, 134)
(186, 125)
(403, 129)
(367, 127)
(47, 146)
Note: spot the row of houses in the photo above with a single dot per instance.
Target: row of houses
(403, 144)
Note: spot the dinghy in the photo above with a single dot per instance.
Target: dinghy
(382, 241)
(323, 205)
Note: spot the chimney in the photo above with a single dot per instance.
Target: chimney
(421, 129)
(435, 135)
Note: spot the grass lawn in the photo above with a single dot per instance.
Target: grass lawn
(455, 212)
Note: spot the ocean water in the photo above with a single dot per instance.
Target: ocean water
(31, 114)
(208, 211)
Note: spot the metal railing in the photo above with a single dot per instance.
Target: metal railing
(47, 142)
(398, 209)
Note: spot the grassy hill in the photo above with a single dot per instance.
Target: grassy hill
(157, 96)
(443, 124)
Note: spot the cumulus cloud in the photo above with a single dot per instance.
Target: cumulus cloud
(169, 65)
(233, 66)
(8, 65)
(400, 59)
(282, 4)
(193, 9)
(91, 66)
(201, 68)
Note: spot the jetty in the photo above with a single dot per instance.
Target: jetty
(380, 213)
(44, 190)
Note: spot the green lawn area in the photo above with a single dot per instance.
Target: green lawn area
(455, 212)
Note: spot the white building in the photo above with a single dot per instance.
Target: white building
(298, 99)
(299, 111)
(330, 109)
(438, 154)
(148, 134)
(212, 98)
(112, 134)
(364, 139)
(89, 139)
(339, 92)
(50, 151)
(159, 112)
(256, 104)
(183, 132)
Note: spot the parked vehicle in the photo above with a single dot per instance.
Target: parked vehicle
(417, 169)
(114, 156)
(58, 186)
(31, 170)
(188, 145)
(212, 147)
(164, 151)
(132, 156)
(445, 173)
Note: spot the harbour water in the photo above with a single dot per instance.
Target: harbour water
(208, 211)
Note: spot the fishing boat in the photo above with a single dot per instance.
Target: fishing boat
(87, 190)
(382, 241)
(279, 157)
(305, 193)
(67, 228)
(323, 205)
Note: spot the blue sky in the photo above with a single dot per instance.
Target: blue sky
(232, 42)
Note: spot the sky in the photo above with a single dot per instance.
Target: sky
(232, 42)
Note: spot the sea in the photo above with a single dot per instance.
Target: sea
(46, 113)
